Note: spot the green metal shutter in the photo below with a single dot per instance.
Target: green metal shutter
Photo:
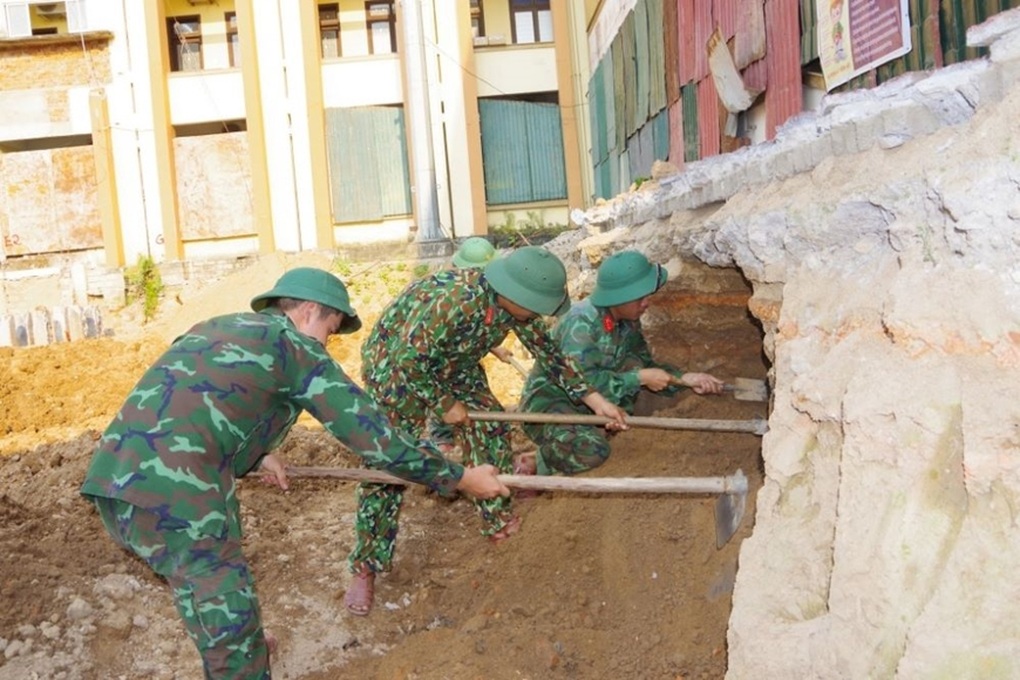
(367, 155)
(522, 151)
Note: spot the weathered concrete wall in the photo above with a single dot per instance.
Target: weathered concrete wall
(880, 237)
(49, 202)
(214, 186)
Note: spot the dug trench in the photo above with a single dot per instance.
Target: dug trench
(594, 586)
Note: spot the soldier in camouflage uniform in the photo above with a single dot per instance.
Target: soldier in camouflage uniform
(423, 357)
(209, 410)
(474, 253)
(603, 335)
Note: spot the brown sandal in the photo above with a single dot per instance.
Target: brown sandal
(360, 594)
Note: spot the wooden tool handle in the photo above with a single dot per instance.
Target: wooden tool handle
(756, 426)
(734, 484)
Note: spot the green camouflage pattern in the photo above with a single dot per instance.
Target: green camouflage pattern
(422, 356)
(610, 354)
(218, 400)
(211, 585)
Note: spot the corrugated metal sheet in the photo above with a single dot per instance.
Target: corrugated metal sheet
(619, 95)
(726, 13)
(602, 187)
(629, 98)
(685, 29)
(641, 153)
(708, 118)
(656, 57)
(703, 27)
(784, 97)
(808, 31)
(671, 50)
(676, 133)
(756, 75)
(597, 114)
(689, 100)
(641, 68)
(368, 163)
(660, 135)
(609, 101)
(522, 151)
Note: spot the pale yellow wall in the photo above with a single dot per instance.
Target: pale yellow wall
(353, 29)
(497, 19)
(215, 51)
(58, 22)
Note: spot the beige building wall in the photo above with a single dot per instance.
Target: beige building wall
(174, 186)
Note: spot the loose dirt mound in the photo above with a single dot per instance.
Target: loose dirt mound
(593, 586)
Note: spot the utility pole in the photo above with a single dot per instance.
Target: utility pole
(432, 242)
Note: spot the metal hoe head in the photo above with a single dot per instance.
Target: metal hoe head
(729, 509)
(748, 389)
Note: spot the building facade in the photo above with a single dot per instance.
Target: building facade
(181, 129)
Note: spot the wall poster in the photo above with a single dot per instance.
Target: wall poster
(855, 36)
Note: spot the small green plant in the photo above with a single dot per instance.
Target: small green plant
(421, 270)
(145, 284)
(342, 267)
(530, 232)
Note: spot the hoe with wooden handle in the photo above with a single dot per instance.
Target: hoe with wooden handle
(742, 389)
(729, 508)
(757, 426)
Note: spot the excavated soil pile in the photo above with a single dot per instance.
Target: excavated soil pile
(594, 586)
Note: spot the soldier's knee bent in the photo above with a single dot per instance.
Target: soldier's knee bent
(227, 630)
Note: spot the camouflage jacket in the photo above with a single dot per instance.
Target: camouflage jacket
(609, 352)
(442, 325)
(219, 399)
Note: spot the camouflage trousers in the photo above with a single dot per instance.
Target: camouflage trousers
(376, 520)
(565, 449)
(211, 585)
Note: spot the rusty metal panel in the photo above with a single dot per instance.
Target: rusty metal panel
(49, 201)
(629, 50)
(597, 113)
(660, 135)
(692, 145)
(784, 97)
(676, 134)
(642, 90)
(641, 152)
(685, 31)
(213, 186)
(619, 95)
(656, 57)
(749, 38)
(708, 118)
(756, 75)
(671, 51)
(726, 13)
(703, 27)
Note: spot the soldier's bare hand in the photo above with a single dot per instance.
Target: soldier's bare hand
(482, 482)
(655, 379)
(702, 383)
(274, 472)
(457, 415)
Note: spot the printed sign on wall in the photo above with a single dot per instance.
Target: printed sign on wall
(855, 36)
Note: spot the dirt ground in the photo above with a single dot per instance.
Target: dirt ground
(594, 586)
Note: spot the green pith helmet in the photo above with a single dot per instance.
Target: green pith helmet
(315, 285)
(531, 277)
(625, 277)
(473, 253)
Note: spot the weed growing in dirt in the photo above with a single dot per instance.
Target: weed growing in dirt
(145, 284)
(532, 231)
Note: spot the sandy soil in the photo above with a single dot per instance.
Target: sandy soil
(594, 586)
